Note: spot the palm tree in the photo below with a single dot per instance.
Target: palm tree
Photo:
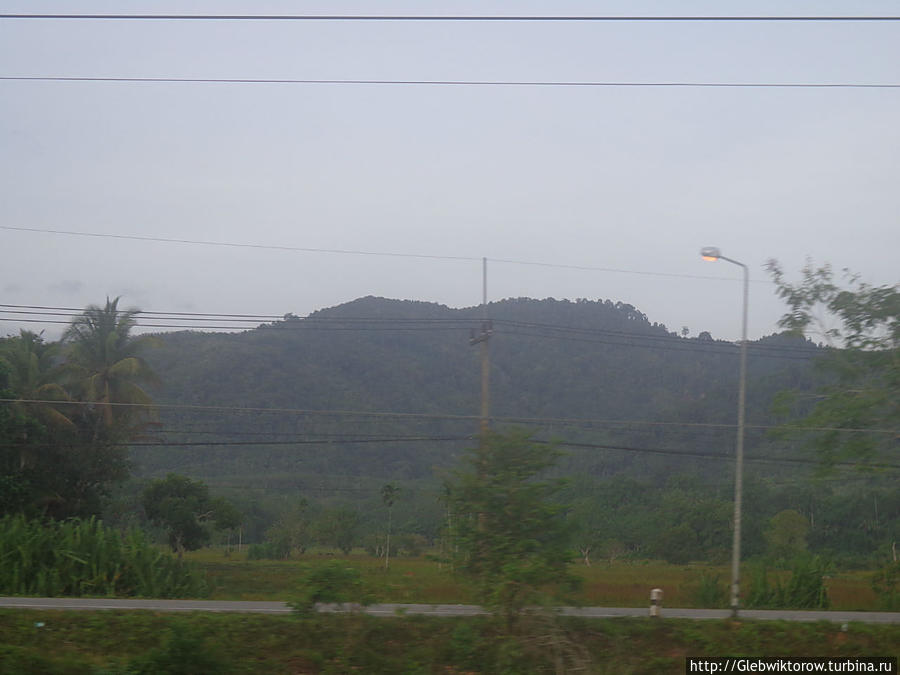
(389, 494)
(104, 357)
(35, 375)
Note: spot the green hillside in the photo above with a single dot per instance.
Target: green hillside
(550, 360)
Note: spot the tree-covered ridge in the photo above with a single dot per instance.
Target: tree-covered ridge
(549, 359)
(579, 358)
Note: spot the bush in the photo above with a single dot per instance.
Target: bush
(270, 550)
(805, 589)
(332, 582)
(710, 592)
(886, 584)
(411, 545)
(184, 652)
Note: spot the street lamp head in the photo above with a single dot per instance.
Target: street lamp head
(711, 253)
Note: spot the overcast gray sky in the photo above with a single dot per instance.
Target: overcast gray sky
(626, 178)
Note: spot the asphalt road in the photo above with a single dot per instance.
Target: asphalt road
(390, 609)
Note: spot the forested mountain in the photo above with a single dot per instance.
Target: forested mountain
(550, 361)
(303, 423)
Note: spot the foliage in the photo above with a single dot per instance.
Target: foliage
(804, 589)
(339, 528)
(184, 652)
(81, 642)
(886, 584)
(270, 550)
(292, 531)
(510, 536)
(75, 558)
(35, 375)
(786, 535)
(334, 582)
(710, 591)
(389, 493)
(63, 416)
(862, 325)
(184, 507)
(106, 364)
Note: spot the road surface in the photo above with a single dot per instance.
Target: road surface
(390, 609)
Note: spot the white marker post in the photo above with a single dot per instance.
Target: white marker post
(656, 596)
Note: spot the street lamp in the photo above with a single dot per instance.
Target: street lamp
(712, 253)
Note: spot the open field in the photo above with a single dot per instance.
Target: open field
(61, 642)
(416, 580)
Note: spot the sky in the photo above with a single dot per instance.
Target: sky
(630, 181)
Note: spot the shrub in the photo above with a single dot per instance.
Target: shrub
(270, 550)
(710, 592)
(886, 584)
(184, 652)
(332, 582)
(805, 589)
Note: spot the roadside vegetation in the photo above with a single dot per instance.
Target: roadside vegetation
(95, 643)
(85, 558)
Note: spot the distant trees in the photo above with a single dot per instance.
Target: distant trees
(185, 509)
(339, 528)
(786, 535)
(389, 494)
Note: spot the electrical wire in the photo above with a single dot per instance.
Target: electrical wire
(456, 83)
(429, 439)
(559, 331)
(168, 240)
(269, 247)
(700, 455)
(558, 421)
(458, 18)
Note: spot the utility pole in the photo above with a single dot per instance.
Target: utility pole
(482, 338)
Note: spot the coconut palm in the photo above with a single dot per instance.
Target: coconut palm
(35, 378)
(105, 363)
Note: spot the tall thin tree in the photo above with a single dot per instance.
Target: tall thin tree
(389, 494)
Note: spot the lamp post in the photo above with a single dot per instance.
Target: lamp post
(712, 253)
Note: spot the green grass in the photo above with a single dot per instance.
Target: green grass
(417, 580)
(55, 642)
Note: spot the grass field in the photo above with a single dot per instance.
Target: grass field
(412, 580)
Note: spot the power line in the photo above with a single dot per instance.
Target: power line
(394, 323)
(638, 340)
(167, 240)
(206, 328)
(551, 421)
(458, 83)
(326, 441)
(455, 18)
(271, 247)
(700, 455)
(570, 444)
(79, 310)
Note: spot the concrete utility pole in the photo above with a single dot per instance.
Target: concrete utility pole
(482, 338)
